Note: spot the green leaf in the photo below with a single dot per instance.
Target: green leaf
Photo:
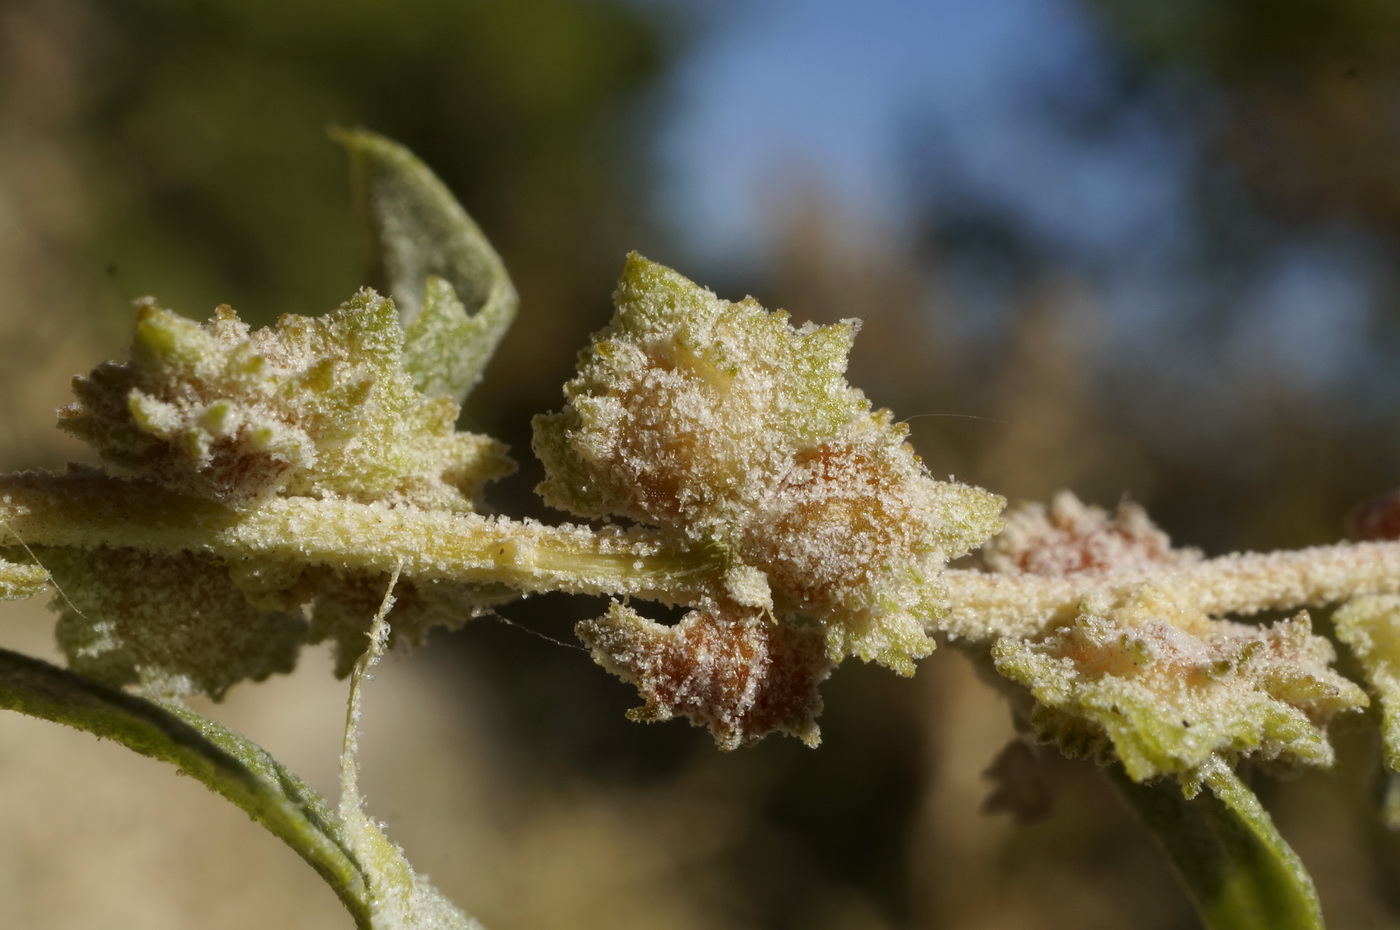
(365, 869)
(454, 298)
(224, 761)
(1371, 627)
(1240, 873)
(442, 345)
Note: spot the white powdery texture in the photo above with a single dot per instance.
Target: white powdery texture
(721, 422)
(172, 624)
(314, 412)
(1070, 537)
(1169, 690)
(738, 672)
(1370, 626)
(312, 407)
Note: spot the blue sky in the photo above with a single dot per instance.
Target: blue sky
(782, 95)
(784, 90)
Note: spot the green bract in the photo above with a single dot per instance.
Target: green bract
(722, 423)
(1171, 690)
(686, 406)
(312, 407)
(174, 624)
(320, 408)
(1371, 627)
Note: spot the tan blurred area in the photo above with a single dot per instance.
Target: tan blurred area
(98, 837)
(146, 147)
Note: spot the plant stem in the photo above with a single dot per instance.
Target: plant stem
(985, 606)
(225, 762)
(86, 510)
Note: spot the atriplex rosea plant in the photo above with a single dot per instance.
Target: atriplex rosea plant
(266, 489)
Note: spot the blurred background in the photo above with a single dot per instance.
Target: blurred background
(1130, 248)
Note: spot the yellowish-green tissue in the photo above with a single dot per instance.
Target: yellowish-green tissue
(1169, 690)
(316, 407)
(19, 580)
(320, 408)
(1370, 626)
(725, 424)
(172, 624)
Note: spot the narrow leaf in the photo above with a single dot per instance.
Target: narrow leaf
(224, 761)
(1240, 873)
(417, 232)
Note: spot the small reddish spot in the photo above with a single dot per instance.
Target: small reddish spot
(1378, 519)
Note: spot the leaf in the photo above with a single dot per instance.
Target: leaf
(1240, 873)
(226, 762)
(353, 856)
(1371, 627)
(443, 350)
(454, 297)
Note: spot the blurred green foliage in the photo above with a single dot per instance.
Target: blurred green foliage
(206, 131)
(193, 148)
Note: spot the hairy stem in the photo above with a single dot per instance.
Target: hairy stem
(228, 764)
(986, 606)
(88, 511)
